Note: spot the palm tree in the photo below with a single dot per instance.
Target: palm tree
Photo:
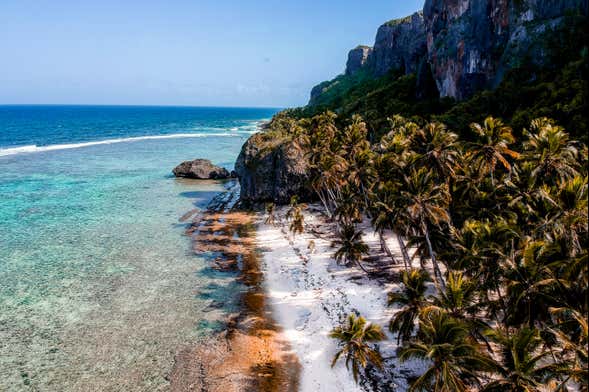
(438, 150)
(571, 222)
(548, 152)
(297, 224)
(412, 299)
(426, 203)
(572, 332)
(492, 147)
(295, 216)
(270, 210)
(455, 359)
(521, 367)
(355, 337)
(351, 246)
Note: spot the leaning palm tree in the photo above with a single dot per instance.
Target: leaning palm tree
(425, 204)
(492, 147)
(412, 299)
(455, 359)
(572, 332)
(522, 367)
(350, 245)
(355, 336)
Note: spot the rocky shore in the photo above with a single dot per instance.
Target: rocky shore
(251, 353)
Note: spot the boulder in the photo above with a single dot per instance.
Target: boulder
(201, 169)
(271, 170)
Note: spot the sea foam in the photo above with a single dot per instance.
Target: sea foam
(52, 147)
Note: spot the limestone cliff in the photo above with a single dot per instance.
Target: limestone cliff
(357, 58)
(400, 44)
(468, 45)
(472, 43)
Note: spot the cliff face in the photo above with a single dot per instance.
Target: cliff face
(468, 45)
(357, 57)
(471, 43)
(400, 44)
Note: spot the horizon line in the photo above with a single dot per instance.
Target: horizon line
(146, 105)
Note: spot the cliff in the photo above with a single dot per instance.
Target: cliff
(357, 58)
(467, 45)
(472, 43)
(400, 44)
(463, 49)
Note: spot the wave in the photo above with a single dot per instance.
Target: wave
(34, 148)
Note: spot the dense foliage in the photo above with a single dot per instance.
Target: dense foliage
(496, 222)
(559, 91)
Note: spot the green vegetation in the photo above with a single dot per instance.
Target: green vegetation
(491, 196)
(499, 223)
(526, 92)
(355, 336)
(295, 216)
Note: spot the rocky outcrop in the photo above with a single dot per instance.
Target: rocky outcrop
(467, 45)
(472, 43)
(271, 170)
(400, 44)
(357, 57)
(201, 169)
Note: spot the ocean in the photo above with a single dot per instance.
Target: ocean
(99, 287)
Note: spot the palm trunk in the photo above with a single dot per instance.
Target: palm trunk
(362, 267)
(437, 272)
(406, 259)
(385, 247)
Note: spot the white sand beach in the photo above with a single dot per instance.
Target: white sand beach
(310, 294)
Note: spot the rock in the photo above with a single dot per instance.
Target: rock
(357, 57)
(465, 45)
(400, 44)
(472, 43)
(271, 170)
(201, 169)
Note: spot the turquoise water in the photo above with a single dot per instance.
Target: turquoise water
(98, 286)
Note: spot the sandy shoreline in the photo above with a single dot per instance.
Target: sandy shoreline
(311, 294)
(252, 353)
(292, 298)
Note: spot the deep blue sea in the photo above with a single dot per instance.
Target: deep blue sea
(99, 288)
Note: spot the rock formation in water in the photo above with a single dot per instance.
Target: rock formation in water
(201, 169)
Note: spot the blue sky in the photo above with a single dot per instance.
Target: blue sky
(180, 52)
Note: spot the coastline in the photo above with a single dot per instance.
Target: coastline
(312, 294)
(252, 351)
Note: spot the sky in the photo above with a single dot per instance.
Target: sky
(267, 53)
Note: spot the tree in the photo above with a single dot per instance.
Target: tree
(492, 147)
(412, 299)
(521, 367)
(355, 336)
(295, 216)
(455, 359)
(350, 245)
(548, 152)
(270, 211)
(425, 203)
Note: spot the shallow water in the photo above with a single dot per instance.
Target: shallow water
(99, 287)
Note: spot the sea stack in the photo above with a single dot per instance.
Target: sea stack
(201, 169)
